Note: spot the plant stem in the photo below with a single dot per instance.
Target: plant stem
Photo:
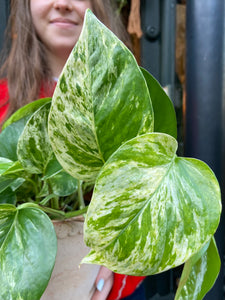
(56, 213)
(55, 200)
(47, 199)
(61, 214)
(76, 213)
(34, 184)
(55, 203)
(80, 195)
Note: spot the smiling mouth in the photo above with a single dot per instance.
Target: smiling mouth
(63, 21)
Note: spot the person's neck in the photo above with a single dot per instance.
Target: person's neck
(56, 63)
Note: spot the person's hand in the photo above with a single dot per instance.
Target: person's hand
(103, 284)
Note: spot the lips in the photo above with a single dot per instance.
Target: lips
(63, 21)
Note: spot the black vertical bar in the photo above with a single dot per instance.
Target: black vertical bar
(158, 57)
(150, 42)
(204, 101)
(168, 41)
(158, 41)
(4, 12)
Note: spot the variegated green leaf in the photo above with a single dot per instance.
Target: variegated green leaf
(199, 274)
(151, 210)
(34, 150)
(27, 252)
(11, 178)
(15, 170)
(101, 100)
(26, 111)
(5, 164)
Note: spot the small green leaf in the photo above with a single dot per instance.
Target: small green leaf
(5, 182)
(164, 112)
(9, 139)
(101, 100)
(5, 164)
(17, 183)
(27, 252)
(199, 273)
(15, 170)
(150, 210)
(34, 149)
(8, 196)
(53, 167)
(26, 111)
(63, 184)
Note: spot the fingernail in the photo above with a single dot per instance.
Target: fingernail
(100, 284)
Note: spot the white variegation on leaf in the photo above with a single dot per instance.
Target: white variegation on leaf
(26, 111)
(34, 149)
(101, 100)
(5, 164)
(199, 273)
(28, 248)
(150, 210)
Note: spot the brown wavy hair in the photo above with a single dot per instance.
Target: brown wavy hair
(25, 65)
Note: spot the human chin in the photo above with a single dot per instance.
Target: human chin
(63, 47)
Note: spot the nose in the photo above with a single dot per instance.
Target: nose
(63, 5)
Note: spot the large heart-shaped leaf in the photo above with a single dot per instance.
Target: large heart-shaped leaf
(101, 100)
(34, 149)
(27, 252)
(199, 274)
(151, 210)
(164, 112)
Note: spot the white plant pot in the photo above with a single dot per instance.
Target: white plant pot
(70, 280)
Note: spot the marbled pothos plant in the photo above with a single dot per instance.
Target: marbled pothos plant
(109, 124)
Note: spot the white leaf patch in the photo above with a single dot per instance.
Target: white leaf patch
(151, 210)
(101, 100)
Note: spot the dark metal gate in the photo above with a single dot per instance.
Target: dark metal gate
(204, 117)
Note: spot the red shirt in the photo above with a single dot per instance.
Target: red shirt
(4, 98)
(123, 285)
